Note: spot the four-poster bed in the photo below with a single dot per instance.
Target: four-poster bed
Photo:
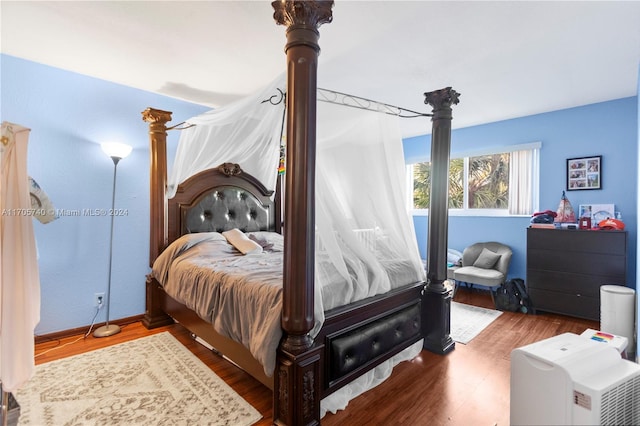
(353, 338)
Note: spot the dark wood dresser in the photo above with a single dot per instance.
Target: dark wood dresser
(565, 269)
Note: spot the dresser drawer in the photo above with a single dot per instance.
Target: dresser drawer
(571, 283)
(566, 304)
(602, 264)
(580, 241)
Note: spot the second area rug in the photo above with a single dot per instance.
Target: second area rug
(154, 380)
(468, 321)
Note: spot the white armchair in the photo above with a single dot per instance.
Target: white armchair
(485, 264)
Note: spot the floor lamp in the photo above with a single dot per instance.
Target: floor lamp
(117, 151)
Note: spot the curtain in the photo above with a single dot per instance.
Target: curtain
(522, 166)
(19, 277)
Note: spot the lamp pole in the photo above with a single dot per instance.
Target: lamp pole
(117, 152)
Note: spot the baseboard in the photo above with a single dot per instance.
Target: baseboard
(81, 330)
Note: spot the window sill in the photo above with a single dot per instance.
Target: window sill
(469, 213)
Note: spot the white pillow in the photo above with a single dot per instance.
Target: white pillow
(239, 240)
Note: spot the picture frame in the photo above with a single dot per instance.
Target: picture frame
(584, 173)
(597, 212)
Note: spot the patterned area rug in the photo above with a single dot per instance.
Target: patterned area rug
(468, 321)
(154, 380)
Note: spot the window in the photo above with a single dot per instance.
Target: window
(497, 182)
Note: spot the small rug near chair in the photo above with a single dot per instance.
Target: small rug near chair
(468, 321)
(154, 380)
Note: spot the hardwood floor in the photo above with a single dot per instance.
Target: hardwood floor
(469, 386)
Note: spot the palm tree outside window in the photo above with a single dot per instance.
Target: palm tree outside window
(495, 183)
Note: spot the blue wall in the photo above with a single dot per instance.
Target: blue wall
(609, 129)
(69, 116)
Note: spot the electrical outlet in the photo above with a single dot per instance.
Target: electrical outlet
(98, 300)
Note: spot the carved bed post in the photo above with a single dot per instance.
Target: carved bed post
(438, 296)
(157, 119)
(297, 381)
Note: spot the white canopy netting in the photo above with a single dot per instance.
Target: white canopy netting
(364, 232)
(363, 229)
(246, 132)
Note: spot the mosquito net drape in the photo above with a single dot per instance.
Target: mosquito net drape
(246, 132)
(363, 231)
(360, 203)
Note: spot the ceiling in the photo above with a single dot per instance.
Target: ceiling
(506, 58)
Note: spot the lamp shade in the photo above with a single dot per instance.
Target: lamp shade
(115, 149)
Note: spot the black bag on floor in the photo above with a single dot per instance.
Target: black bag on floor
(507, 298)
(512, 297)
(526, 305)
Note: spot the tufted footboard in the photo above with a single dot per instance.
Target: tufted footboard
(370, 342)
(359, 337)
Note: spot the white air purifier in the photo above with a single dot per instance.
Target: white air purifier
(572, 380)
(618, 313)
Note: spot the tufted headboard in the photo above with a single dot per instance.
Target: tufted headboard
(221, 199)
